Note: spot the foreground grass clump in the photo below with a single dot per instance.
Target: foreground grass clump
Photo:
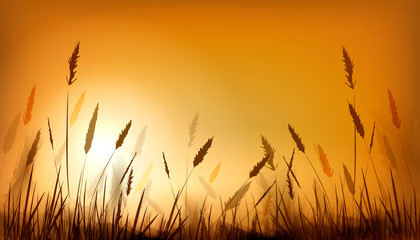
(101, 212)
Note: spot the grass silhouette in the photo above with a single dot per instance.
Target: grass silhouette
(91, 214)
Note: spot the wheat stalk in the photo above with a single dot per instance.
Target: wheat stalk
(214, 173)
(199, 157)
(301, 147)
(357, 121)
(122, 136)
(349, 181)
(91, 129)
(290, 186)
(324, 161)
(192, 129)
(77, 108)
(392, 105)
(166, 165)
(257, 167)
(397, 123)
(297, 139)
(118, 144)
(34, 148)
(129, 182)
(73, 64)
(50, 132)
(28, 113)
(210, 191)
(144, 178)
(26, 119)
(348, 63)
(371, 138)
(269, 151)
(140, 140)
(389, 153)
(70, 80)
(237, 197)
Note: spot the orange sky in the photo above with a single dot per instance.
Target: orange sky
(247, 68)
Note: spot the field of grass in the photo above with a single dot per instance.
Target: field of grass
(278, 212)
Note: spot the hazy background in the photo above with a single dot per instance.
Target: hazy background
(248, 68)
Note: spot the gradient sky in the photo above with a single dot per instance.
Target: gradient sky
(249, 68)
